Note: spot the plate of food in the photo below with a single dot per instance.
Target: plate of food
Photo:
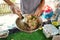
(29, 23)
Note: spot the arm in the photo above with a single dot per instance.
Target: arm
(40, 7)
(14, 8)
(9, 2)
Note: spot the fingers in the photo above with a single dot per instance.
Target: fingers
(16, 11)
(13, 9)
(37, 15)
(20, 17)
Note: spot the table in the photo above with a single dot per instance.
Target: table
(15, 34)
(19, 35)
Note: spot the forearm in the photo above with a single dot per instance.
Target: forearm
(40, 7)
(9, 2)
(14, 8)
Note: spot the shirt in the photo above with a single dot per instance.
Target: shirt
(29, 6)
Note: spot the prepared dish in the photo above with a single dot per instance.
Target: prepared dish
(33, 22)
(29, 23)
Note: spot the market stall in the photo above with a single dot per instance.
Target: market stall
(45, 27)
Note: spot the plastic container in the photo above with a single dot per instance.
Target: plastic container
(59, 20)
(50, 30)
(4, 32)
(59, 29)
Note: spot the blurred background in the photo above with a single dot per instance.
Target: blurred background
(5, 9)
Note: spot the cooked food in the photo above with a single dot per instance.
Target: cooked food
(33, 21)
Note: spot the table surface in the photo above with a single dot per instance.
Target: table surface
(18, 35)
(38, 35)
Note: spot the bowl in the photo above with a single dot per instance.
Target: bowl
(22, 26)
(4, 33)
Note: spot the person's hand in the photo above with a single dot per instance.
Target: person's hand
(38, 13)
(40, 8)
(16, 10)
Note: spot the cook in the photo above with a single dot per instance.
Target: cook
(27, 7)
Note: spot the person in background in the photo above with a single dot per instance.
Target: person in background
(27, 7)
(57, 12)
